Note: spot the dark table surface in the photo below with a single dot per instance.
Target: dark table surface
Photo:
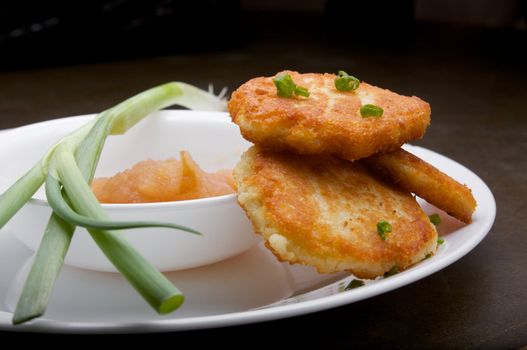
(475, 82)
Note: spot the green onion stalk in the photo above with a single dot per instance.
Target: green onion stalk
(67, 170)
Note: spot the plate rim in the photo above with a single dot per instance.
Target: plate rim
(44, 325)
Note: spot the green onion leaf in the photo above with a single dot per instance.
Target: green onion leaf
(62, 209)
(354, 284)
(286, 87)
(393, 271)
(128, 113)
(301, 91)
(435, 219)
(158, 291)
(345, 82)
(58, 233)
(383, 228)
(87, 143)
(44, 271)
(12, 200)
(371, 111)
(440, 240)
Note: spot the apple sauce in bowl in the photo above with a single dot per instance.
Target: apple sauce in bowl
(215, 144)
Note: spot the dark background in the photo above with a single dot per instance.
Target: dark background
(50, 33)
(467, 58)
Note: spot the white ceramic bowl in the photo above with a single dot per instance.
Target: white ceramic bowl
(212, 140)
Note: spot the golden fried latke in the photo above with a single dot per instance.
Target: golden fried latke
(329, 121)
(323, 211)
(417, 176)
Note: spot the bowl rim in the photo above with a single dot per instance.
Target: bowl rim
(174, 205)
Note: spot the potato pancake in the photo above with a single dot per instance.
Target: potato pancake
(323, 211)
(329, 120)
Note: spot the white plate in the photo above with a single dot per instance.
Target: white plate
(251, 287)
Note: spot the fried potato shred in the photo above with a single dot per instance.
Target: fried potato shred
(417, 176)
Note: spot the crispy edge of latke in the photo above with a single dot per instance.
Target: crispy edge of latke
(426, 181)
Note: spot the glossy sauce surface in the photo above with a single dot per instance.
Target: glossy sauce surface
(163, 181)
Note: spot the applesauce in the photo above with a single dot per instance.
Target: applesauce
(163, 181)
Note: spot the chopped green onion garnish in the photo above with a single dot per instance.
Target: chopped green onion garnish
(354, 284)
(345, 82)
(301, 91)
(393, 271)
(371, 111)
(383, 227)
(440, 240)
(286, 87)
(435, 219)
(428, 255)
